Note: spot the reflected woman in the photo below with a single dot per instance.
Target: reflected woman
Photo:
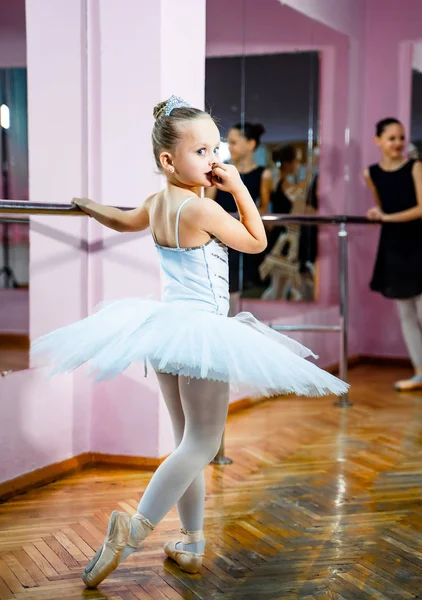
(243, 141)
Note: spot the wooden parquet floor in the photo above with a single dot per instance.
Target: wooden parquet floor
(320, 503)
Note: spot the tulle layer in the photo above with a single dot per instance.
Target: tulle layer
(185, 340)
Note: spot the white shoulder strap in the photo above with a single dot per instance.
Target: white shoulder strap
(178, 219)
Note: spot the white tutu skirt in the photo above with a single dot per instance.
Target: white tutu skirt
(184, 340)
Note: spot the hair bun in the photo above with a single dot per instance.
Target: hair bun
(259, 130)
(159, 109)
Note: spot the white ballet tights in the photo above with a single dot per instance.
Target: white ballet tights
(410, 311)
(198, 411)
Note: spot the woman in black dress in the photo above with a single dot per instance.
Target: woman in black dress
(396, 183)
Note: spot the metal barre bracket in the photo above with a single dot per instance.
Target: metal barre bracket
(219, 458)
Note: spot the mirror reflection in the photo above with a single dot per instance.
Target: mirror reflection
(272, 138)
(14, 174)
(14, 234)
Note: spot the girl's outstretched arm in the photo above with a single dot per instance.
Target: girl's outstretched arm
(136, 219)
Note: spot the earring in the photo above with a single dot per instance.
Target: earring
(171, 169)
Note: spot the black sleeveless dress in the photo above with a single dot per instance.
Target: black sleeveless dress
(308, 240)
(251, 262)
(280, 205)
(398, 266)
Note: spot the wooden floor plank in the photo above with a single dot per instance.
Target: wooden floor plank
(18, 570)
(5, 591)
(10, 578)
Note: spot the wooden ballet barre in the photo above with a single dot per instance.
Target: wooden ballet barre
(19, 207)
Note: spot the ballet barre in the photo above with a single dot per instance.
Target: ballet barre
(342, 328)
(341, 221)
(24, 207)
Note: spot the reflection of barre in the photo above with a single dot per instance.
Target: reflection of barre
(328, 328)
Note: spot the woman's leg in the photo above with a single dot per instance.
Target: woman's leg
(418, 304)
(204, 405)
(410, 312)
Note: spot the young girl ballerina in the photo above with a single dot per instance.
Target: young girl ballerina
(196, 351)
(396, 183)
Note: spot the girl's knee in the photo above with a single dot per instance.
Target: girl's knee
(204, 450)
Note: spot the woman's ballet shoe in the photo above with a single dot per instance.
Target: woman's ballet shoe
(191, 562)
(108, 556)
(409, 385)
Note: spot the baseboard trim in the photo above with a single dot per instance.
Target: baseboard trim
(127, 462)
(15, 341)
(241, 404)
(369, 359)
(56, 471)
(394, 361)
(42, 476)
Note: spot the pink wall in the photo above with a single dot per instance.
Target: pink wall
(37, 423)
(345, 16)
(14, 311)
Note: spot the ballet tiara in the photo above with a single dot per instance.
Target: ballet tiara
(175, 102)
